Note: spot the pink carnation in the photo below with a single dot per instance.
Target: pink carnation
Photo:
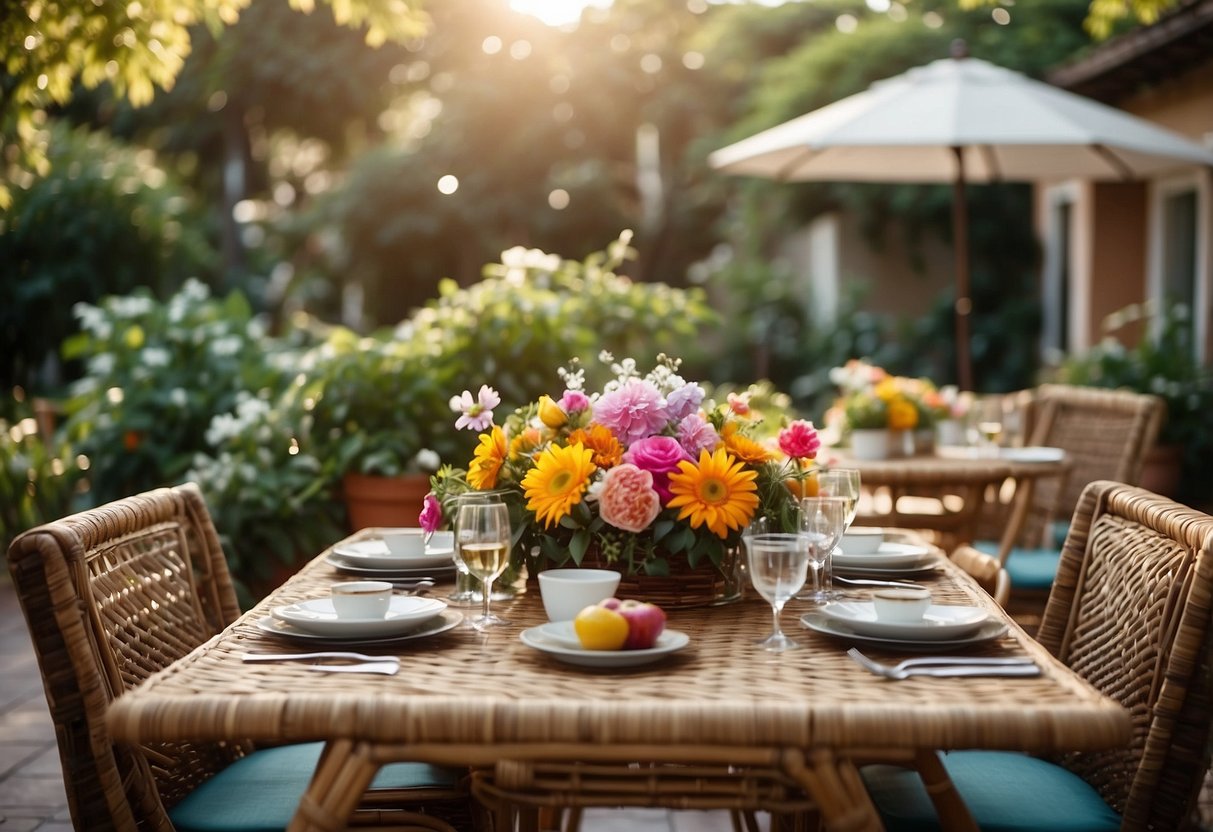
(696, 434)
(627, 500)
(799, 440)
(431, 514)
(632, 412)
(659, 455)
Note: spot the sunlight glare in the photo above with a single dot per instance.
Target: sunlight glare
(556, 12)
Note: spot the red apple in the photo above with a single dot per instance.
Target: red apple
(645, 623)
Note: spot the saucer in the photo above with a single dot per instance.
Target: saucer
(938, 623)
(438, 573)
(1032, 453)
(445, 620)
(316, 616)
(990, 630)
(888, 555)
(553, 638)
(373, 553)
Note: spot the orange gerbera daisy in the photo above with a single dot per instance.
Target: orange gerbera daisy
(525, 443)
(608, 452)
(556, 483)
(487, 460)
(742, 446)
(717, 492)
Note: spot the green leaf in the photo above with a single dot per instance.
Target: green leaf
(657, 567)
(579, 544)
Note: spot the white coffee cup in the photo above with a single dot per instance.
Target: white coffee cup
(566, 592)
(861, 540)
(405, 543)
(900, 605)
(362, 599)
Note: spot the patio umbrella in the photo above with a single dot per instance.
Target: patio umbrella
(961, 120)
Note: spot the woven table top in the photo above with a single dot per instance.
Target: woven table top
(943, 470)
(464, 687)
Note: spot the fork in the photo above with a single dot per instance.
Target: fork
(330, 654)
(949, 666)
(385, 667)
(874, 582)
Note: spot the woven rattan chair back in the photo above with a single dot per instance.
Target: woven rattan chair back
(112, 595)
(1106, 435)
(986, 570)
(1130, 612)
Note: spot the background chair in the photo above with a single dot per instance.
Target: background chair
(1106, 435)
(1130, 612)
(114, 594)
(986, 570)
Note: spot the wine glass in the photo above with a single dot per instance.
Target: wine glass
(778, 567)
(822, 520)
(467, 587)
(989, 425)
(838, 482)
(482, 545)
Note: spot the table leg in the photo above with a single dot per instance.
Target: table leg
(952, 811)
(836, 787)
(344, 774)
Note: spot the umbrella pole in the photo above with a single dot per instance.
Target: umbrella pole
(960, 245)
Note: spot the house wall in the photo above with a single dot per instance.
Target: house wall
(1118, 251)
(1184, 104)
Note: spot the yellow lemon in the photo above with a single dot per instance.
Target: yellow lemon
(600, 629)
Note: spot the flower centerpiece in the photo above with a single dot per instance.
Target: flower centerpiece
(646, 476)
(872, 403)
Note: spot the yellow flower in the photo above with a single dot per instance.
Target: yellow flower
(903, 415)
(525, 443)
(556, 483)
(886, 390)
(487, 460)
(550, 413)
(717, 492)
(742, 446)
(608, 452)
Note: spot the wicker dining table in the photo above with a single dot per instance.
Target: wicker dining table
(719, 724)
(961, 489)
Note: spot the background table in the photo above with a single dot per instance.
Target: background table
(808, 717)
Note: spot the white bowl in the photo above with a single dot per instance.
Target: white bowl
(862, 540)
(898, 605)
(404, 543)
(566, 592)
(361, 599)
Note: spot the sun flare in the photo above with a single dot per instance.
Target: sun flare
(555, 12)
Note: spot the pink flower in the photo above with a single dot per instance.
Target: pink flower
(684, 401)
(632, 412)
(431, 514)
(574, 401)
(799, 440)
(659, 455)
(475, 414)
(627, 500)
(696, 434)
(739, 403)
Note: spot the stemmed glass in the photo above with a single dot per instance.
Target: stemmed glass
(482, 545)
(838, 482)
(822, 520)
(778, 567)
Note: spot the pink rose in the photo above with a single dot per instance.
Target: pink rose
(574, 401)
(799, 440)
(627, 500)
(431, 514)
(659, 455)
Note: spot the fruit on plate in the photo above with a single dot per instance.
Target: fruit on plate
(600, 628)
(645, 622)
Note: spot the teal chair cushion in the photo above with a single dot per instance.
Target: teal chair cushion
(1005, 792)
(1060, 529)
(1027, 568)
(260, 792)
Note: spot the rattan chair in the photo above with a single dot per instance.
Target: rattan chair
(113, 595)
(986, 570)
(1106, 435)
(1130, 612)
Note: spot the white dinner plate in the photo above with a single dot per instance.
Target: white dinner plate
(438, 573)
(888, 555)
(445, 620)
(938, 623)
(926, 566)
(1034, 453)
(819, 623)
(552, 638)
(373, 553)
(317, 616)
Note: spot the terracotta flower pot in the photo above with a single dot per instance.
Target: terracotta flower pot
(384, 501)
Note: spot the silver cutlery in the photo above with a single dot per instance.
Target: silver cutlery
(330, 654)
(419, 587)
(873, 582)
(949, 666)
(385, 668)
